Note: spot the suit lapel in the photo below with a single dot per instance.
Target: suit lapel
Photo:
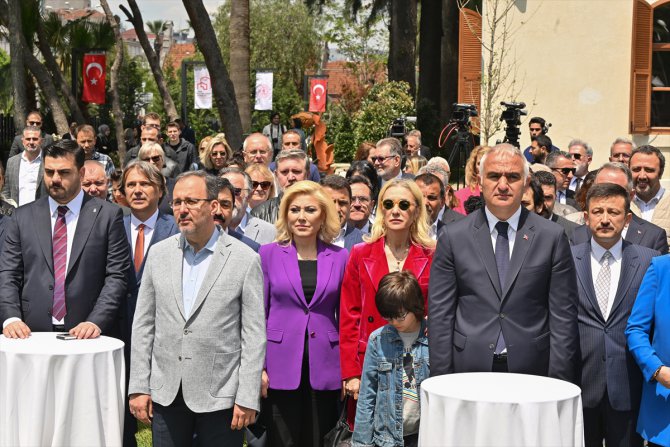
(323, 272)
(376, 265)
(635, 232)
(251, 230)
(292, 271)
(416, 261)
(40, 179)
(523, 240)
(629, 266)
(219, 260)
(87, 217)
(42, 220)
(176, 273)
(585, 277)
(482, 236)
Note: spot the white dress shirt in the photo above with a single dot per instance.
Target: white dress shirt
(647, 208)
(28, 173)
(513, 222)
(597, 252)
(339, 240)
(433, 227)
(561, 197)
(243, 223)
(149, 226)
(573, 183)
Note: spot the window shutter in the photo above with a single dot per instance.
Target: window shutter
(470, 59)
(640, 104)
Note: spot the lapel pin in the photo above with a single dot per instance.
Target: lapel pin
(525, 237)
(639, 232)
(95, 210)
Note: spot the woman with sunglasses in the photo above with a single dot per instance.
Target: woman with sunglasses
(262, 184)
(216, 154)
(153, 153)
(399, 240)
(303, 274)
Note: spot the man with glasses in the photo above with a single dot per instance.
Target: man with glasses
(34, 119)
(25, 176)
(581, 154)
(199, 326)
(241, 220)
(563, 169)
(386, 157)
(339, 190)
(85, 136)
(621, 150)
(257, 149)
(362, 203)
(151, 127)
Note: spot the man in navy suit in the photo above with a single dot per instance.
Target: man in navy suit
(339, 190)
(224, 214)
(503, 292)
(435, 198)
(143, 185)
(609, 273)
(638, 231)
(64, 263)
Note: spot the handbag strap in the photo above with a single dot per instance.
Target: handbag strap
(343, 413)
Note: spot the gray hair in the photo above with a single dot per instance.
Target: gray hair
(257, 134)
(437, 171)
(212, 183)
(236, 170)
(507, 149)
(440, 162)
(147, 148)
(623, 140)
(553, 157)
(296, 154)
(395, 149)
(582, 143)
(33, 129)
(416, 133)
(616, 166)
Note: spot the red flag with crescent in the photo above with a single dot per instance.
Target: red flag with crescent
(317, 94)
(94, 78)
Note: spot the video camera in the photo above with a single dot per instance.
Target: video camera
(462, 113)
(398, 128)
(512, 117)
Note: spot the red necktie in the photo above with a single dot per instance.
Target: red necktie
(60, 263)
(139, 247)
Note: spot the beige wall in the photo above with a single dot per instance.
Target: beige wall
(573, 65)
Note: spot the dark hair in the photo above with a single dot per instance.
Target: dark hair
(62, 148)
(238, 160)
(211, 182)
(151, 115)
(545, 178)
(538, 120)
(543, 141)
(172, 124)
(398, 292)
(648, 150)
(553, 157)
(297, 123)
(354, 179)
(224, 184)
(538, 194)
(430, 179)
(580, 195)
(337, 183)
(606, 190)
(273, 114)
(116, 175)
(473, 203)
(363, 150)
(365, 168)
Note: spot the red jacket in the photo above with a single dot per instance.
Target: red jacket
(358, 312)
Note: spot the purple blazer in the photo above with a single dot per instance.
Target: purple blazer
(290, 319)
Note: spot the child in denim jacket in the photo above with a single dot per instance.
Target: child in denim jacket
(396, 362)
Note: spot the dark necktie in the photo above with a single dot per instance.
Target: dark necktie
(60, 263)
(139, 248)
(502, 262)
(578, 182)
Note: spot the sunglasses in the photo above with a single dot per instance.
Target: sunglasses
(380, 159)
(264, 185)
(576, 156)
(403, 204)
(238, 191)
(565, 171)
(219, 154)
(155, 158)
(35, 123)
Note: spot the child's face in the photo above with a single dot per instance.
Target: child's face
(408, 324)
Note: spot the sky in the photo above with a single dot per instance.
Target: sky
(160, 10)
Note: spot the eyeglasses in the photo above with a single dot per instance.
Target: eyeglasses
(35, 123)
(565, 171)
(189, 202)
(361, 199)
(403, 204)
(155, 158)
(401, 317)
(264, 185)
(576, 156)
(155, 126)
(380, 159)
(238, 191)
(218, 154)
(257, 152)
(225, 204)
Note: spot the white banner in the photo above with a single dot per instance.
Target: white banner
(203, 88)
(263, 90)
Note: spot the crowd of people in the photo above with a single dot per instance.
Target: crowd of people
(251, 289)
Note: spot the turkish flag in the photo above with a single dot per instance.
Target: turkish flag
(317, 94)
(94, 78)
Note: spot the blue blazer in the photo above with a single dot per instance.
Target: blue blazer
(352, 237)
(246, 240)
(648, 333)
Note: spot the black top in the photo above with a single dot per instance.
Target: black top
(308, 277)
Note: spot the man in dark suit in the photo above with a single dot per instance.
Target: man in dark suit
(609, 273)
(34, 119)
(386, 157)
(339, 190)
(638, 231)
(25, 182)
(503, 292)
(65, 260)
(224, 214)
(435, 198)
(563, 168)
(547, 184)
(143, 186)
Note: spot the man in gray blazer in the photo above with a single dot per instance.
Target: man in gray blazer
(609, 273)
(503, 293)
(198, 341)
(24, 181)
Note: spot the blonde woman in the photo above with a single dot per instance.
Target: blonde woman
(399, 240)
(216, 154)
(415, 163)
(303, 274)
(471, 187)
(262, 184)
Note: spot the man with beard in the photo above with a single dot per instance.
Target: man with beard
(339, 190)
(581, 154)
(224, 214)
(241, 221)
(24, 182)
(65, 259)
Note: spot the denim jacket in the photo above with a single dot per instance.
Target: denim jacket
(379, 411)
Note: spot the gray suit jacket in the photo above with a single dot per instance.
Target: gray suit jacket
(11, 188)
(216, 353)
(260, 231)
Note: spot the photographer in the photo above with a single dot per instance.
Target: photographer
(537, 126)
(274, 132)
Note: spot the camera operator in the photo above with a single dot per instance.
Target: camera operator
(274, 132)
(537, 126)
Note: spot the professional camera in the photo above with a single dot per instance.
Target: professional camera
(462, 113)
(398, 128)
(512, 117)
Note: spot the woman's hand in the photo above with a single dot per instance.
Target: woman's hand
(663, 376)
(352, 386)
(265, 384)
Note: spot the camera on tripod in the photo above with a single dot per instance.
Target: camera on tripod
(398, 128)
(512, 117)
(462, 113)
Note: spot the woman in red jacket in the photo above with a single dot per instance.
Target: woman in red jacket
(399, 240)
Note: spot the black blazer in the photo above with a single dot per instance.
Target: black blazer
(619, 375)
(96, 279)
(568, 226)
(536, 308)
(640, 232)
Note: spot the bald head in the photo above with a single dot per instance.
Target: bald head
(95, 182)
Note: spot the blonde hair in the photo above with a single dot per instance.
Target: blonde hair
(331, 224)
(471, 180)
(205, 141)
(419, 231)
(265, 172)
(416, 162)
(215, 141)
(148, 148)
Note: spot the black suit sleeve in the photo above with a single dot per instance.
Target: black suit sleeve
(442, 304)
(106, 308)
(17, 146)
(11, 271)
(661, 242)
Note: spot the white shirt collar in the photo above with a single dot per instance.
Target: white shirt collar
(654, 199)
(37, 159)
(149, 223)
(598, 250)
(243, 223)
(513, 221)
(74, 205)
(441, 213)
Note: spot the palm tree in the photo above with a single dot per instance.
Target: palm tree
(156, 27)
(239, 59)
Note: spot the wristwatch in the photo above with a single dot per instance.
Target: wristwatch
(653, 377)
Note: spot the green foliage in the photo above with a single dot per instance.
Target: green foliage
(6, 96)
(340, 133)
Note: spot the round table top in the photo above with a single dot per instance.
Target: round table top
(500, 388)
(46, 343)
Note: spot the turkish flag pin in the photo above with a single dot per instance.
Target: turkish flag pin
(525, 237)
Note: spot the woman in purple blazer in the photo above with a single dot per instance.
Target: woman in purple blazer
(303, 273)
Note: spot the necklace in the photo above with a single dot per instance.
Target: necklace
(398, 259)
